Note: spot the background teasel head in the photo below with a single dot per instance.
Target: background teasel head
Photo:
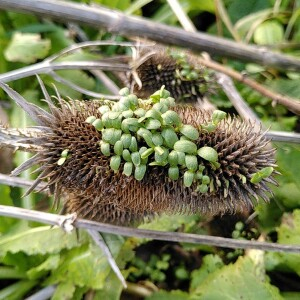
(179, 71)
(83, 153)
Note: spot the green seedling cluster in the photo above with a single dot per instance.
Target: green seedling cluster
(138, 134)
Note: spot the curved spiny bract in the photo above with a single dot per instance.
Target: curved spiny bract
(94, 191)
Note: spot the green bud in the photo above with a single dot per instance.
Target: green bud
(198, 175)
(124, 91)
(157, 139)
(115, 162)
(193, 75)
(128, 168)
(131, 124)
(161, 154)
(189, 131)
(154, 114)
(105, 148)
(146, 135)
(263, 173)
(162, 108)
(118, 148)
(139, 172)
(98, 124)
(126, 140)
(173, 158)
(133, 145)
(188, 178)
(61, 161)
(191, 162)
(209, 127)
(218, 116)
(136, 158)
(103, 109)
(205, 179)
(170, 137)
(140, 112)
(111, 135)
(147, 153)
(90, 119)
(107, 122)
(133, 100)
(186, 147)
(208, 153)
(127, 114)
(152, 124)
(173, 173)
(171, 118)
(126, 155)
(181, 158)
(202, 188)
(64, 153)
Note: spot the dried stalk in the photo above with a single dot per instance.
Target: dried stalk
(57, 220)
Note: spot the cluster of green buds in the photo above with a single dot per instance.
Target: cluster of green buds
(187, 72)
(137, 134)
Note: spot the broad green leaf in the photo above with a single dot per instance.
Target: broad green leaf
(27, 48)
(64, 291)
(49, 264)
(172, 295)
(86, 266)
(236, 281)
(269, 33)
(210, 264)
(42, 239)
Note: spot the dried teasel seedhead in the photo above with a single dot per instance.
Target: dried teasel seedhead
(70, 160)
(183, 76)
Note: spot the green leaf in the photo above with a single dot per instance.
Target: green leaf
(86, 266)
(50, 263)
(42, 239)
(236, 281)
(210, 264)
(27, 48)
(64, 291)
(269, 33)
(17, 290)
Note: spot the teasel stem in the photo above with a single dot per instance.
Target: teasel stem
(53, 219)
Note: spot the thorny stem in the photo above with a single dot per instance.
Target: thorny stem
(53, 219)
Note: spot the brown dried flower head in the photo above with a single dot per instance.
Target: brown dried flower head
(179, 71)
(94, 191)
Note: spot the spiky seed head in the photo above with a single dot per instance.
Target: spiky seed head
(93, 190)
(183, 76)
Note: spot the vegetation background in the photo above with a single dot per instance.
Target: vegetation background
(34, 257)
